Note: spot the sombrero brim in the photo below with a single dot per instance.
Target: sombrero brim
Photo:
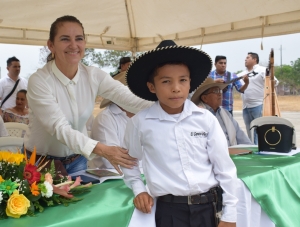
(196, 96)
(137, 75)
(105, 103)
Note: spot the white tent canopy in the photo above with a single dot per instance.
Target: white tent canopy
(139, 25)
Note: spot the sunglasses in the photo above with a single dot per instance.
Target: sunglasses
(215, 91)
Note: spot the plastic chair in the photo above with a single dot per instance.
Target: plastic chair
(270, 120)
(15, 129)
(11, 143)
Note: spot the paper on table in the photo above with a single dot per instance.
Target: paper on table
(101, 179)
(292, 152)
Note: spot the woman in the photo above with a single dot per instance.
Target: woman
(19, 113)
(61, 98)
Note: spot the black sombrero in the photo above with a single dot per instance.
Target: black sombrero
(137, 74)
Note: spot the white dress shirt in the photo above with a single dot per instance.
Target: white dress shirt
(254, 94)
(60, 108)
(6, 86)
(109, 128)
(181, 157)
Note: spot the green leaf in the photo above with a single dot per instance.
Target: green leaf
(24, 188)
(33, 198)
(38, 206)
(2, 210)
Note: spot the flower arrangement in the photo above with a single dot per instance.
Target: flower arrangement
(26, 188)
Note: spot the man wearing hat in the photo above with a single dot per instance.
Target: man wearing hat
(123, 65)
(182, 147)
(109, 127)
(209, 96)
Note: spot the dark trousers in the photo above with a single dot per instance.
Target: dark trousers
(184, 215)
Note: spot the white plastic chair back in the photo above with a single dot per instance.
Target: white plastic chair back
(270, 120)
(16, 129)
(10, 143)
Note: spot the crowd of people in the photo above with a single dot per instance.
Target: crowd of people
(148, 120)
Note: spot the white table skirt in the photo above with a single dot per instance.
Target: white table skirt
(249, 212)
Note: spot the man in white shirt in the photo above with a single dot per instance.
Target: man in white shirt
(182, 147)
(253, 96)
(109, 127)
(7, 83)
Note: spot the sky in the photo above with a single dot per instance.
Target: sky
(235, 51)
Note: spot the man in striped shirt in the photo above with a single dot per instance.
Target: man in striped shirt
(220, 75)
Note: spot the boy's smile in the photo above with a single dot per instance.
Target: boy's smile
(171, 86)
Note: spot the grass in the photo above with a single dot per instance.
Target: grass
(286, 103)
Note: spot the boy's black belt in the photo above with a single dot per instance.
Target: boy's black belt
(204, 198)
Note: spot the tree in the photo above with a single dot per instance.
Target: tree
(289, 75)
(108, 58)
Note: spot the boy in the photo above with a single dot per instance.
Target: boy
(182, 147)
(109, 127)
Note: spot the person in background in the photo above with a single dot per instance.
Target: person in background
(11, 84)
(109, 127)
(209, 96)
(61, 96)
(254, 95)
(19, 113)
(220, 75)
(123, 65)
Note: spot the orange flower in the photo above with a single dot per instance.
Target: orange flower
(1, 179)
(34, 189)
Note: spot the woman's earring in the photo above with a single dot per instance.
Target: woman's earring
(52, 55)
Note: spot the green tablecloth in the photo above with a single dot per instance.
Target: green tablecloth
(107, 205)
(274, 182)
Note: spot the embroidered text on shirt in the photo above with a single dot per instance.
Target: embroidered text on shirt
(199, 134)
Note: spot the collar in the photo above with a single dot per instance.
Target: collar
(115, 109)
(225, 73)
(8, 77)
(62, 78)
(155, 111)
(255, 66)
(211, 109)
(253, 69)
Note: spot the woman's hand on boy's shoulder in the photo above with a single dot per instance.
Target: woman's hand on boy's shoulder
(143, 202)
(226, 224)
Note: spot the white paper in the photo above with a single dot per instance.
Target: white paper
(292, 152)
(101, 179)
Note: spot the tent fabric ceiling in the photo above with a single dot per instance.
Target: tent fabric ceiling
(139, 25)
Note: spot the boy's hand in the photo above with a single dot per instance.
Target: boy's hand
(143, 202)
(226, 224)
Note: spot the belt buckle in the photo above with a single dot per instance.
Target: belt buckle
(197, 199)
(190, 200)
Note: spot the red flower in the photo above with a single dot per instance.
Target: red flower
(31, 174)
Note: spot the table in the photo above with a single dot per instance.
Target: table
(273, 181)
(249, 212)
